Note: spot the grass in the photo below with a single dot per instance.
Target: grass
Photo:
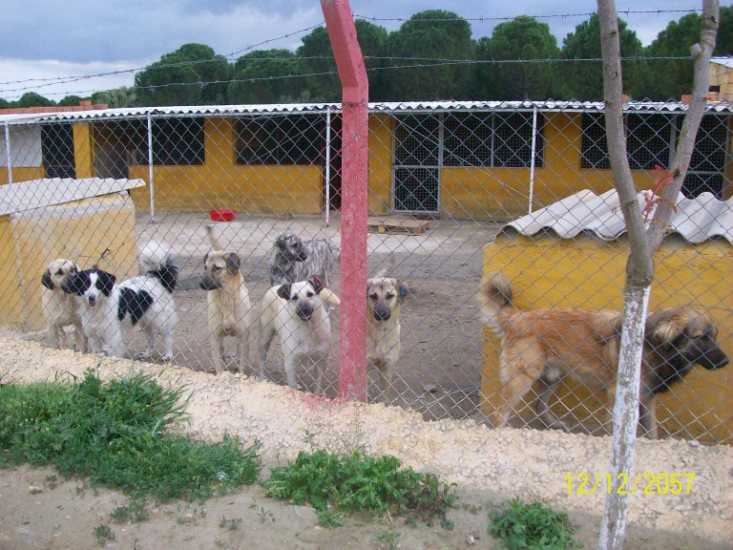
(523, 526)
(358, 482)
(117, 434)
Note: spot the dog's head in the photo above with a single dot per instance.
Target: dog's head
(384, 296)
(220, 267)
(681, 338)
(91, 284)
(304, 296)
(291, 247)
(58, 273)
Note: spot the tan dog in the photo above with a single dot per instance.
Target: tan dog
(228, 303)
(384, 297)
(61, 309)
(549, 344)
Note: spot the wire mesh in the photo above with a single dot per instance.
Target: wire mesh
(443, 184)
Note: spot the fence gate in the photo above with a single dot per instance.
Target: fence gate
(417, 164)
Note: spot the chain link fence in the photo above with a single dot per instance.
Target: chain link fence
(445, 181)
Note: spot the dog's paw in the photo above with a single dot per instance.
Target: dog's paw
(166, 357)
(142, 356)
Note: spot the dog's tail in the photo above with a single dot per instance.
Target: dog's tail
(212, 238)
(329, 296)
(495, 300)
(155, 260)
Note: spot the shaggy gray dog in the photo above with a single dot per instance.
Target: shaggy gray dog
(292, 259)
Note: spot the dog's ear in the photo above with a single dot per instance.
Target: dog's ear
(107, 281)
(284, 291)
(233, 263)
(46, 280)
(317, 284)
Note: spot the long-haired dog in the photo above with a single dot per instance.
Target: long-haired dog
(293, 259)
(146, 300)
(297, 314)
(384, 298)
(60, 309)
(229, 307)
(547, 345)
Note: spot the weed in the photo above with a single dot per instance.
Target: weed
(51, 482)
(330, 519)
(231, 524)
(116, 434)
(134, 512)
(359, 482)
(264, 513)
(103, 533)
(532, 527)
(388, 539)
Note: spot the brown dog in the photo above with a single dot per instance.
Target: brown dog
(549, 344)
(61, 309)
(384, 297)
(228, 303)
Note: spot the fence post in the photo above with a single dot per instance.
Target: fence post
(7, 153)
(355, 132)
(151, 175)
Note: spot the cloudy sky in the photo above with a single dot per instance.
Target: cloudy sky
(59, 48)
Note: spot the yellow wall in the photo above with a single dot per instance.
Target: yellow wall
(21, 173)
(589, 274)
(79, 231)
(380, 164)
(502, 194)
(83, 150)
(221, 183)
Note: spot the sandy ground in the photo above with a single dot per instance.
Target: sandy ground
(39, 510)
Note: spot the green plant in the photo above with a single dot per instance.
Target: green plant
(134, 512)
(532, 527)
(231, 524)
(330, 519)
(116, 433)
(388, 539)
(359, 482)
(103, 533)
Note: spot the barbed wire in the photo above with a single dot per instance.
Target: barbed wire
(437, 63)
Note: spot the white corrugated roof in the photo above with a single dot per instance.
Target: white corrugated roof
(32, 194)
(696, 220)
(395, 107)
(725, 61)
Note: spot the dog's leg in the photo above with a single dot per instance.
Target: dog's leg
(115, 345)
(320, 369)
(168, 343)
(216, 341)
(550, 379)
(512, 393)
(81, 339)
(243, 349)
(266, 337)
(648, 416)
(149, 345)
(290, 366)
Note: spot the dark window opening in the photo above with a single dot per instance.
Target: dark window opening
(291, 140)
(57, 150)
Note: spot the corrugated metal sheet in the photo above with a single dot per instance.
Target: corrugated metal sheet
(725, 61)
(32, 194)
(388, 107)
(696, 220)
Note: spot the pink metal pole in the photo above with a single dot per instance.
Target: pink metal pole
(355, 128)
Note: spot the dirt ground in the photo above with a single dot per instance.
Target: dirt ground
(38, 510)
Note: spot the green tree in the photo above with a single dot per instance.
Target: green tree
(262, 77)
(316, 59)
(522, 38)
(669, 79)
(70, 101)
(433, 34)
(5, 104)
(191, 75)
(123, 96)
(33, 99)
(584, 79)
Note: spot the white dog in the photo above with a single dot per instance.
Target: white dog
(146, 300)
(59, 308)
(297, 314)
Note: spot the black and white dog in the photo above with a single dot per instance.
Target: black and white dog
(146, 300)
(293, 259)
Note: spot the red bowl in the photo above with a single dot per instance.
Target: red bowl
(221, 215)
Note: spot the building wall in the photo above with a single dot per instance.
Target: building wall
(381, 127)
(589, 274)
(80, 231)
(722, 76)
(503, 194)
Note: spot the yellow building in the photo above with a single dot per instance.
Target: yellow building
(42, 220)
(562, 257)
(464, 160)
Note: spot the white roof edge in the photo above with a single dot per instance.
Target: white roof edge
(374, 107)
(38, 193)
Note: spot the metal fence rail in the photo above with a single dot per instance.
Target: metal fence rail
(444, 181)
